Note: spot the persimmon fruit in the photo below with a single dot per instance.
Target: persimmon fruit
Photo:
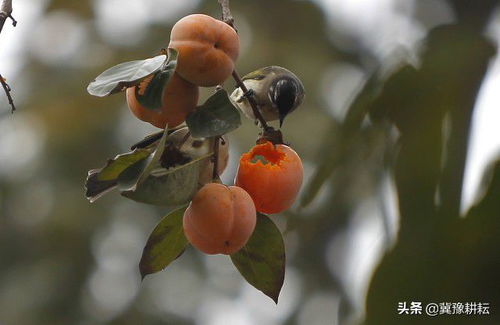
(207, 49)
(220, 219)
(272, 175)
(179, 99)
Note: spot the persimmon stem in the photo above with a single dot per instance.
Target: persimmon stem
(215, 157)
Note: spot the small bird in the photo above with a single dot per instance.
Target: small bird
(276, 90)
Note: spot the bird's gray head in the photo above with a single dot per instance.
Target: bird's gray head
(286, 94)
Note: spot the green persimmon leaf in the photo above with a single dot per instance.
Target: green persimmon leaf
(123, 75)
(262, 260)
(102, 180)
(216, 117)
(152, 96)
(121, 162)
(165, 244)
(95, 188)
(152, 139)
(129, 179)
(170, 187)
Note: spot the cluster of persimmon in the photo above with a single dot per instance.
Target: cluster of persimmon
(220, 218)
(207, 50)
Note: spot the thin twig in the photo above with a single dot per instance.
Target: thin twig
(228, 19)
(215, 157)
(226, 13)
(186, 137)
(7, 90)
(251, 100)
(269, 133)
(6, 12)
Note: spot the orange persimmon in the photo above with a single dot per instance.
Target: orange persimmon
(272, 175)
(179, 99)
(207, 49)
(220, 219)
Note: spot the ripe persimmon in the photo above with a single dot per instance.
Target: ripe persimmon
(207, 49)
(179, 99)
(220, 219)
(272, 175)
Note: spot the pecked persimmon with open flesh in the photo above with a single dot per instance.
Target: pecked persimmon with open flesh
(272, 175)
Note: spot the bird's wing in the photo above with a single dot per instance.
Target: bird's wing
(258, 74)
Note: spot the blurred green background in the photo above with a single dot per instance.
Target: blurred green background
(393, 88)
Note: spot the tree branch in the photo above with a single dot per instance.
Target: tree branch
(228, 19)
(6, 12)
(251, 100)
(226, 13)
(7, 90)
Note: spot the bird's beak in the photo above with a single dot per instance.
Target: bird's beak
(282, 118)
